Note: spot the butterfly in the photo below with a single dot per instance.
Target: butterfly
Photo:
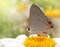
(39, 23)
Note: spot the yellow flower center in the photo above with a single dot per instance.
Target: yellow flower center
(55, 13)
(39, 41)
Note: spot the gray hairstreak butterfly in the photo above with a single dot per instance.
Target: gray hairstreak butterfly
(38, 21)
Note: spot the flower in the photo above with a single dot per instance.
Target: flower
(24, 40)
(31, 41)
(34, 40)
(52, 13)
(22, 7)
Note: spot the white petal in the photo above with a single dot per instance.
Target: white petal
(13, 45)
(57, 40)
(11, 42)
(58, 45)
(33, 35)
(21, 38)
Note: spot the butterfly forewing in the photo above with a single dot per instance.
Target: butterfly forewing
(38, 20)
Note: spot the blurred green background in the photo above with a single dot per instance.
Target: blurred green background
(13, 16)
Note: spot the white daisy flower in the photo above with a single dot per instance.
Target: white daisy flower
(23, 37)
(20, 40)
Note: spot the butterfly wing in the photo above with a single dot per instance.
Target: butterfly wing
(38, 20)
